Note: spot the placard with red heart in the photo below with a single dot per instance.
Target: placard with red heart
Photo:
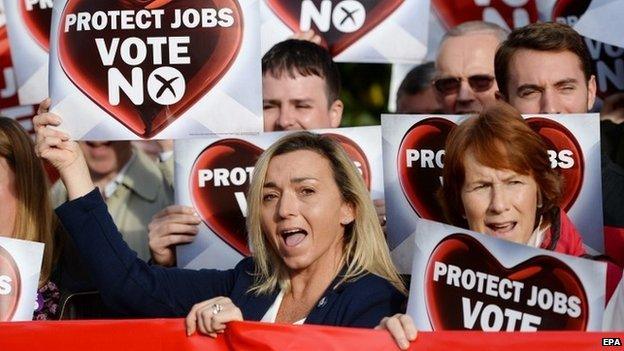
(336, 40)
(158, 69)
(445, 304)
(462, 280)
(215, 200)
(374, 31)
(421, 182)
(28, 28)
(218, 172)
(606, 58)
(211, 52)
(37, 19)
(513, 14)
(414, 156)
(10, 285)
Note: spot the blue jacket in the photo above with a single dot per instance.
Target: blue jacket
(130, 286)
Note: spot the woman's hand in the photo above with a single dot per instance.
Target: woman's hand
(210, 316)
(401, 327)
(64, 154)
(171, 226)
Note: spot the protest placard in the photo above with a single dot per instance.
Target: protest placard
(28, 26)
(20, 265)
(388, 31)
(608, 60)
(156, 69)
(414, 157)
(463, 280)
(213, 175)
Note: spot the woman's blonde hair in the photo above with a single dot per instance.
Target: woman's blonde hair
(34, 219)
(365, 248)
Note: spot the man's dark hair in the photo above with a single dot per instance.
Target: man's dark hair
(418, 79)
(547, 36)
(305, 58)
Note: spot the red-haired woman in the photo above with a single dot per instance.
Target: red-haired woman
(498, 181)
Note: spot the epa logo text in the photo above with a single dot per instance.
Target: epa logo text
(611, 342)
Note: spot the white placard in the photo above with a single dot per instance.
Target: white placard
(20, 266)
(413, 147)
(379, 31)
(182, 69)
(463, 280)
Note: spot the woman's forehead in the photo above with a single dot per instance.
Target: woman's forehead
(299, 164)
(477, 168)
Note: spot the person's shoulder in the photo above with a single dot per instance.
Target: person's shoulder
(246, 266)
(370, 284)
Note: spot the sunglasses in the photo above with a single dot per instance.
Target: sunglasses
(450, 85)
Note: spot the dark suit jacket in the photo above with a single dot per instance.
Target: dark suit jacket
(130, 286)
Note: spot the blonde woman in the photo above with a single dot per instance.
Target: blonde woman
(319, 253)
(25, 210)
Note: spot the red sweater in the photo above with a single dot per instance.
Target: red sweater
(569, 241)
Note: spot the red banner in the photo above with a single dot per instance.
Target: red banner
(614, 244)
(169, 334)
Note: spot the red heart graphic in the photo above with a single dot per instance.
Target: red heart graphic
(9, 280)
(454, 12)
(559, 138)
(216, 202)
(444, 301)
(337, 41)
(211, 50)
(606, 59)
(38, 22)
(421, 181)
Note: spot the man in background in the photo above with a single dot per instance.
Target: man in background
(464, 80)
(300, 87)
(546, 68)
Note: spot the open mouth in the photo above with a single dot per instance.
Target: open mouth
(293, 236)
(501, 228)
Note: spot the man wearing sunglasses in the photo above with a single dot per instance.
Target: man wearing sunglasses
(465, 81)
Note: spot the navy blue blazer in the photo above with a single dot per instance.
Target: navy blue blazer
(130, 286)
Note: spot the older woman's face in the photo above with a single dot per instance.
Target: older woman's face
(499, 202)
(303, 213)
(8, 198)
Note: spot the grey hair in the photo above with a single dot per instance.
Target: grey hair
(477, 27)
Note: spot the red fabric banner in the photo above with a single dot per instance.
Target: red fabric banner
(614, 244)
(169, 334)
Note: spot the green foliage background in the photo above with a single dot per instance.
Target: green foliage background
(365, 89)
